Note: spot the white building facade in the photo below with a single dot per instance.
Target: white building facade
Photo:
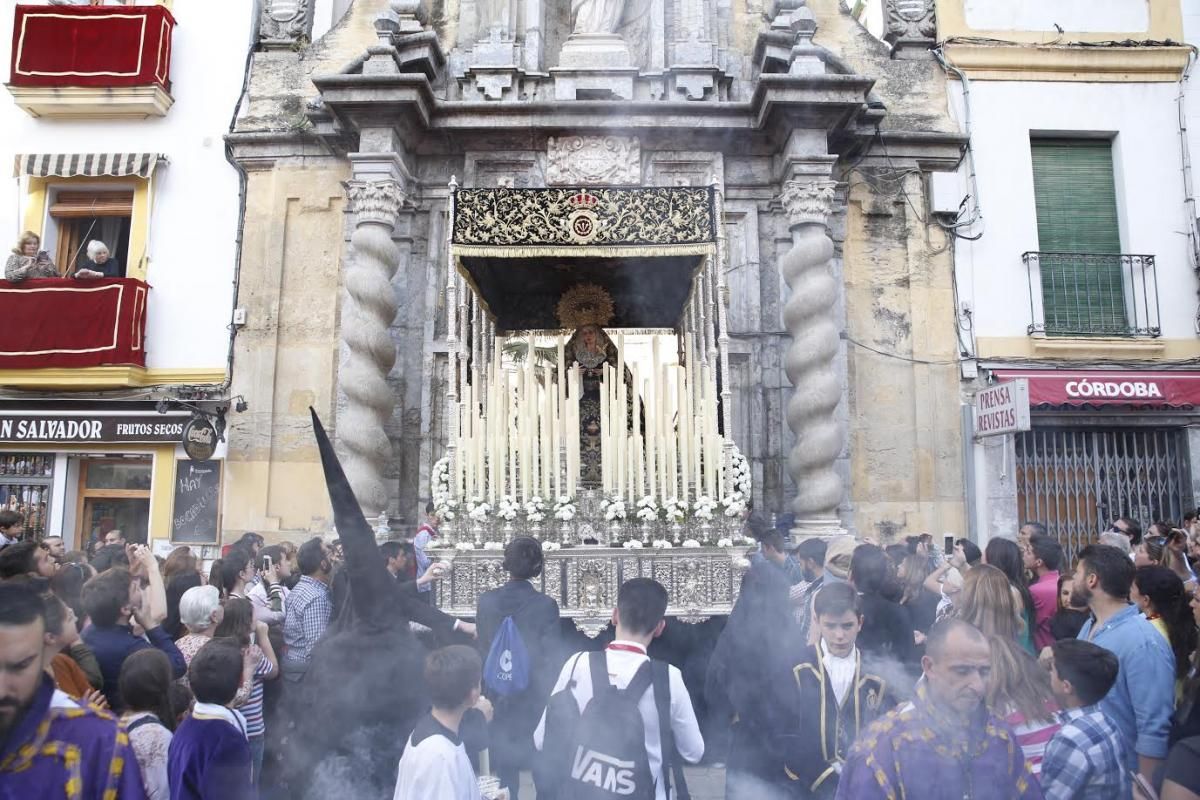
(1075, 257)
(114, 120)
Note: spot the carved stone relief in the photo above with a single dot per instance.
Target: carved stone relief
(910, 21)
(592, 160)
(283, 23)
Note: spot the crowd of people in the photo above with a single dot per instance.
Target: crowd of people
(845, 670)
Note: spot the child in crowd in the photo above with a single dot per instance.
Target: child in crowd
(209, 757)
(830, 697)
(1084, 757)
(435, 763)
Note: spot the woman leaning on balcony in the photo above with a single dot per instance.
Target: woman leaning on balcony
(99, 262)
(28, 261)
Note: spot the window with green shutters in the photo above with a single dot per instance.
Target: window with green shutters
(1079, 239)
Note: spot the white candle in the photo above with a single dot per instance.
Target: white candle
(547, 439)
(638, 469)
(681, 431)
(576, 388)
(605, 449)
(620, 430)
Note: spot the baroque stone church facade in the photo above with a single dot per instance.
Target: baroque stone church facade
(818, 137)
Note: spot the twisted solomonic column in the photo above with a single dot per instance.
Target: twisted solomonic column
(367, 314)
(809, 362)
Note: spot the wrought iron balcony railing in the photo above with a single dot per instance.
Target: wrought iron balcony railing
(1092, 294)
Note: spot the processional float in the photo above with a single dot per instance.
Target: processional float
(622, 467)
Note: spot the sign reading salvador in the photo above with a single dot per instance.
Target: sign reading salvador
(1003, 408)
(31, 428)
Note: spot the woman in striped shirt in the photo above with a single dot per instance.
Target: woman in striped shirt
(1019, 692)
(260, 665)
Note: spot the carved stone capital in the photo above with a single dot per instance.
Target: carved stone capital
(807, 201)
(910, 21)
(375, 201)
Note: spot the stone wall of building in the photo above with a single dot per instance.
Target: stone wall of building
(900, 416)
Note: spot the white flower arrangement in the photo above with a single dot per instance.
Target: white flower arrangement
(507, 508)
(741, 473)
(647, 510)
(614, 508)
(725, 542)
(632, 544)
(551, 546)
(564, 509)
(747, 539)
(661, 544)
(704, 507)
(535, 509)
(690, 543)
(444, 504)
(464, 546)
(734, 504)
(478, 510)
(674, 509)
(493, 546)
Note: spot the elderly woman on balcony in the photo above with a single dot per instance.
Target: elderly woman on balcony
(28, 261)
(99, 262)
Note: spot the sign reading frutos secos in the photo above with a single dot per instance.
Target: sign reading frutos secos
(1003, 408)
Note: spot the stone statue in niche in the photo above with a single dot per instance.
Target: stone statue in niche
(284, 22)
(596, 16)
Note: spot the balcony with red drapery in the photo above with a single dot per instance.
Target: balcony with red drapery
(66, 323)
(79, 61)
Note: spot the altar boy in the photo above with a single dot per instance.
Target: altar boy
(829, 697)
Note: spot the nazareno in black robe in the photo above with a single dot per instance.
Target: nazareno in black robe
(352, 713)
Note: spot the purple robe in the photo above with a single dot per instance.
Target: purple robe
(914, 752)
(62, 750)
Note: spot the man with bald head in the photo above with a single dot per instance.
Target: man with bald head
(945, 744)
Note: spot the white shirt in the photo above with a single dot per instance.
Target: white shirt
(262, 604)
(214, 711)
(840, 671)
(622, 665)
(435, 765)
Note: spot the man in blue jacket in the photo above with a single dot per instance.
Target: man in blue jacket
(1141, 701)
(111, 599)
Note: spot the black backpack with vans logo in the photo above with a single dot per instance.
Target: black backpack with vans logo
(600, 754)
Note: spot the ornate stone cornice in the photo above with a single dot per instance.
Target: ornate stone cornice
(375, 201)
(807, 201)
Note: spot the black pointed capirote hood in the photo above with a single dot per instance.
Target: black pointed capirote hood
(372, 587)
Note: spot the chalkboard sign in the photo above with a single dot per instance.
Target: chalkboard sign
(196, 515)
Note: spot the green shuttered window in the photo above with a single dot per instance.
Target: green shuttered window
(1079, 238)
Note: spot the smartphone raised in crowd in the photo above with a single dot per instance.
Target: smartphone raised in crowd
(948, 545)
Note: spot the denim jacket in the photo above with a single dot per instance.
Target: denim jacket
(1141, 701)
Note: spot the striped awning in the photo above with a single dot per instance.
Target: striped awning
(86, 165)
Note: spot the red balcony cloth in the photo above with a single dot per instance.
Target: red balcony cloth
(101, 46)
(59, 322)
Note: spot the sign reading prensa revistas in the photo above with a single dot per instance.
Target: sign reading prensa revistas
(83, 428)
(1003, 408)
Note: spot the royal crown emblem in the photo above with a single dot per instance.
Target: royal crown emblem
(583, 224)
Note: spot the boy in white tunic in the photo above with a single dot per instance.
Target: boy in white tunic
(435, 763)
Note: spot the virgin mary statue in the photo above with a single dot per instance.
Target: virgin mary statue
(586, 308)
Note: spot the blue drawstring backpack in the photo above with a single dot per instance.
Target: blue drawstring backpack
(506, 670)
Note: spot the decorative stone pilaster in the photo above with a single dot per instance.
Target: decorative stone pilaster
(810, 361)
(911, 27)
(368, 312)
